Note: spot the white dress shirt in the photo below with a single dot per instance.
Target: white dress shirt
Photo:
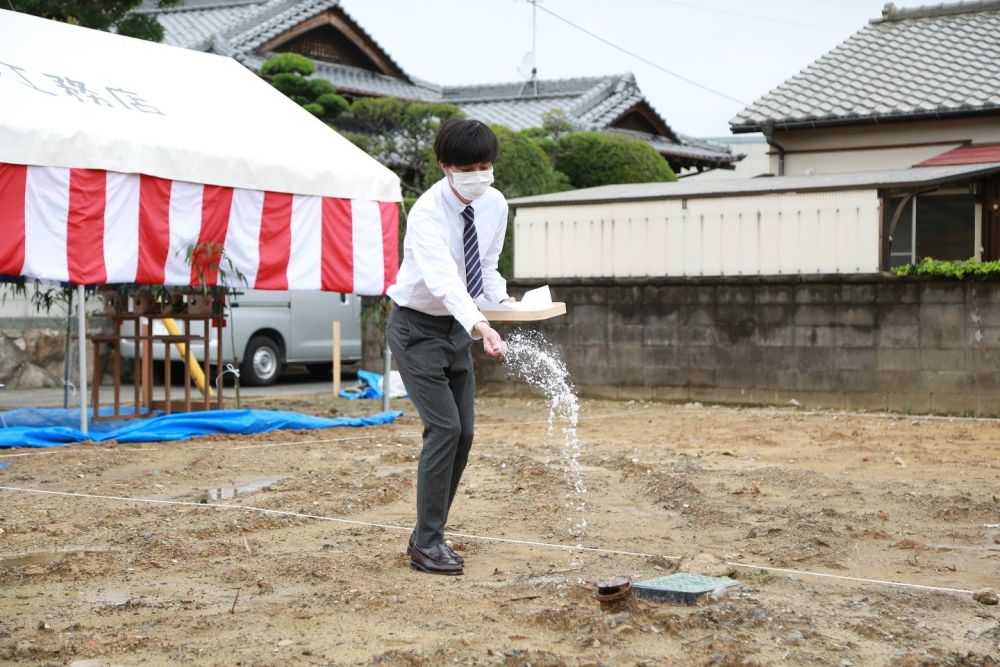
(432, 276)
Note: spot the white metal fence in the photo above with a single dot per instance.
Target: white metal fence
(789, 233)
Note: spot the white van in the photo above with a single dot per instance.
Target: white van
(272, 330)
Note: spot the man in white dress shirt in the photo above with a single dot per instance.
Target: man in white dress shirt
(454, 235)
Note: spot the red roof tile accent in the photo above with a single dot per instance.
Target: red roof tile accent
(969, 154)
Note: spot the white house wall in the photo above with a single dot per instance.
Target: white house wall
(867, 147)
(808, 233)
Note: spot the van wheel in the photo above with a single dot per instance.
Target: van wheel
(261, 363)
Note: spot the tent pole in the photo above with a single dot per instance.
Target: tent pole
(82, 352)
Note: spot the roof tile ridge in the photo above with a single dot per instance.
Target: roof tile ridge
(893, 14)
(521, 82)
(272, 13)
(591, 98)
(255, 21)
(221, 4)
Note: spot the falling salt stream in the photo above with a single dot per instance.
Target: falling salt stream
(531, 358)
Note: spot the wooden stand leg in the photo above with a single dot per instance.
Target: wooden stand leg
(218, 364)
(166, 378)
(138, 370)
(118, 367)
(207, 358)
(187, 367)
(147, 360)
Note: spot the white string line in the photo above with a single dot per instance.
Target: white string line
(899, 584)
(297, 442)
(482, 538)
(84, 448)
(892, 416)
(127, 448)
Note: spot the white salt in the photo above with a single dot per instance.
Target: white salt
(529, 357)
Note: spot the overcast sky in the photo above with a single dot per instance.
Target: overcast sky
(713, 42)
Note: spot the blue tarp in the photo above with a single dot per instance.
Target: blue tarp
(30, 428)
(369, 386)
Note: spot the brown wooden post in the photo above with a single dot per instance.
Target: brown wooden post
(187, 366)
(147, 368)
(138, 369)
(166, 376)
(218, 363)
(207, 354)
(118, 365)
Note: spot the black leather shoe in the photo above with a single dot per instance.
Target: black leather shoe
(434, 560)
(452, 552)
(454, 555)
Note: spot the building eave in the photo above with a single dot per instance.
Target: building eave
(841, 121)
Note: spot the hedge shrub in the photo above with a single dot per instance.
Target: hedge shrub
(956, 269)
(288, 73)
(522, 167)
(594, 158)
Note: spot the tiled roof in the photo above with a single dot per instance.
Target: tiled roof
(517, 114)
(192, 25)
(590, 104)
(517, 89)
(357, 81)
(238, 28)
(911, 63)
(687, 148)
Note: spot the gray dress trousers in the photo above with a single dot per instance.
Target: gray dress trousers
(434, 357)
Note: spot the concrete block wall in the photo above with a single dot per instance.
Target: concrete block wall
(850, 342)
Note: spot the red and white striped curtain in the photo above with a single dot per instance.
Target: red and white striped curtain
(93, 227)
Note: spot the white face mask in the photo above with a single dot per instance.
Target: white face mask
(471, 184)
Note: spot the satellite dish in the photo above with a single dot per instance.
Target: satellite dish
(527, 67)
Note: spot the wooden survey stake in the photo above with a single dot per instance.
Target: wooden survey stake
(336, 358)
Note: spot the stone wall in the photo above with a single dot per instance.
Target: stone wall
(871, 342)
(32, 352)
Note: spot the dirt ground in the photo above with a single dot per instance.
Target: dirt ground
(100, 581)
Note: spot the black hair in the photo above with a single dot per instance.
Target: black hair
(463, 142)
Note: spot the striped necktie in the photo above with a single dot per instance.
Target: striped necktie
(473, 267)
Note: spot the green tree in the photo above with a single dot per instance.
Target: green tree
(522, 167)
(290, 72)
(100, 14)
(556, 123)
(400, 135)
(595, 158)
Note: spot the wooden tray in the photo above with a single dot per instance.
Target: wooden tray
(556, 309)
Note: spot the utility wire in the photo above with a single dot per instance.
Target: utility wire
(638, 57)
(755, 17)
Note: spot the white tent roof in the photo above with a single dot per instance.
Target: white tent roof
(75, 97)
